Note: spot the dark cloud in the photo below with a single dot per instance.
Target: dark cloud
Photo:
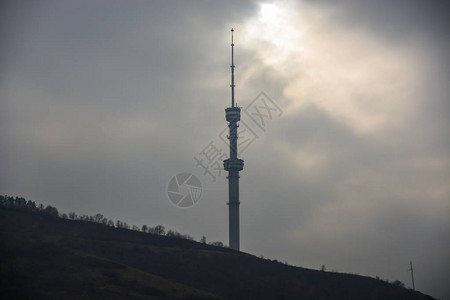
(400, 19)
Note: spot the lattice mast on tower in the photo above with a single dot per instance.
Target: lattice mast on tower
(233, 164)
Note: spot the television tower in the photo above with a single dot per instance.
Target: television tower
(233, 164)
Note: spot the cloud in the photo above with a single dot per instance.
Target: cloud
(363, 80)
(360, 145)
(102, 103)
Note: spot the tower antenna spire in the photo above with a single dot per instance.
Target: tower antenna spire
(232, 69)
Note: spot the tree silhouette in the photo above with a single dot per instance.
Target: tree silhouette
(51, 211)
(19, 203)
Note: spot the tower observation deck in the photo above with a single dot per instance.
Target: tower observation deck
(233, 164)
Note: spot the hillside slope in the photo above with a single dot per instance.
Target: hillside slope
(50, 258)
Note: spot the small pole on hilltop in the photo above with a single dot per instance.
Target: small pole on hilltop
(412, 274)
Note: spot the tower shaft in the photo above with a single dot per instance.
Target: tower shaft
(233, 164)
(233, 209)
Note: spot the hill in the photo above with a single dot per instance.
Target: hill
(45, 257)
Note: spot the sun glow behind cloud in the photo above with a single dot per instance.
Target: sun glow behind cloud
(272, 29)
(355, 77)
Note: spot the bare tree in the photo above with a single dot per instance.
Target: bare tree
(218, 244)
(98, 218)
(72, 215)
(159, 229)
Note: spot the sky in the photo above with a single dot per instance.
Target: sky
(103, 102)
